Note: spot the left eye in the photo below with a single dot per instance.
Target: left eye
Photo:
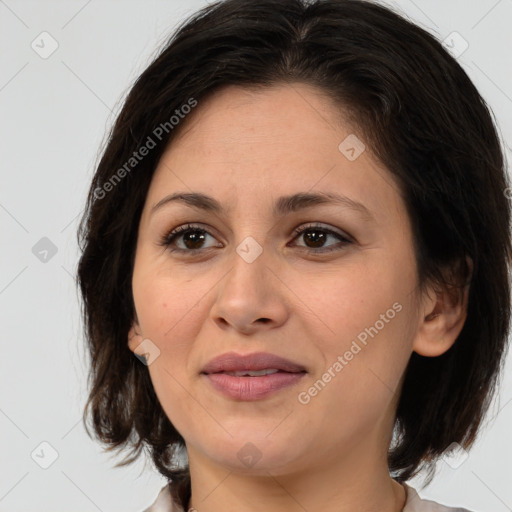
(193, 238)
(317, 235)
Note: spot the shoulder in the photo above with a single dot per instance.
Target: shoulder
(164, 502)
(416, 504)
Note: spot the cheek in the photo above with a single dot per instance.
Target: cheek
(345, 300)
(172, 320)
(364, 312)
(168, 305)
(360, 379)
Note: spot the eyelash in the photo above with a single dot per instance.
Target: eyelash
(168, 239)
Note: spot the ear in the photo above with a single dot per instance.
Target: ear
(134, 336)
(443, 315)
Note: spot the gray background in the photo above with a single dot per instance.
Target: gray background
(53, 115)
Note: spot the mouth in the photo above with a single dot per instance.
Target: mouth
(253, 376)
(247, 388)
(251, 364)
(253, 373)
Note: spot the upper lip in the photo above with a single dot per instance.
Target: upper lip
(232, 362)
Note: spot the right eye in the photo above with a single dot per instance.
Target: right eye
(192, 239)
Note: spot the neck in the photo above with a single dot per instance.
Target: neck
(353, 481)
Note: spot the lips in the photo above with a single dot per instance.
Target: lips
(256, 362)
(253, 376)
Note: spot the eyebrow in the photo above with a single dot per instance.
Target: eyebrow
(283, 205)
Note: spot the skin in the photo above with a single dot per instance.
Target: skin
(246, 148)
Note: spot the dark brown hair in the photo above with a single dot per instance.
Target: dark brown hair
(422, 118)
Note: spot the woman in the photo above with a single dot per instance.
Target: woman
(295, 265)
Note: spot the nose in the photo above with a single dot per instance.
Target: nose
(251, 296)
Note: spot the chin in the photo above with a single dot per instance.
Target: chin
(255, 455)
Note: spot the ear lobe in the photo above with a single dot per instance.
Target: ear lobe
(439, 329)
(134, 337)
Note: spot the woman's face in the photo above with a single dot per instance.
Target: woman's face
(339, 300)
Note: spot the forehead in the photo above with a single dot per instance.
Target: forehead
(277, 115)
(241, 143)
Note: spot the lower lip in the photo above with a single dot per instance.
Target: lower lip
(252, 388)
